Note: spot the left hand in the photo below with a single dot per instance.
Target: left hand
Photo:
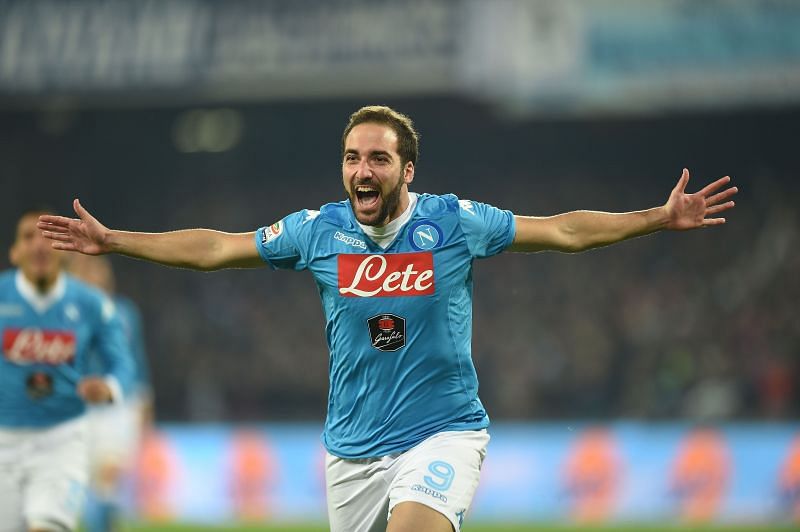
(690, 211)
(95, 390)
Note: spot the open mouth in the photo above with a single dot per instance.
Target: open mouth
(367, 196)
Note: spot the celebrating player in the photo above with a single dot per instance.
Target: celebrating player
(405, 430)
(114, 429)
(49, 323)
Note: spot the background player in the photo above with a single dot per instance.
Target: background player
(115, 430)
(405, 429)
(49, 323)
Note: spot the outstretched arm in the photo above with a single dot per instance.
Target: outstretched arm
(581, 230)
(197, 249)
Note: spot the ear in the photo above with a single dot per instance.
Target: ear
(408, 173)
(13, 255)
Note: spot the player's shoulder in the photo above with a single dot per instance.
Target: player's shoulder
(77, 289)
(336, 214)
(126, 306)
(7, 279)
(8, 286)
(124, 302)
(86, 295)
(431, 205)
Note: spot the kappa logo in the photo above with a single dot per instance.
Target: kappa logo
(310, 215)
(467, 206)
(350, 240)
(424, 235)
(272, 232)
(428, 491)
(72, 312)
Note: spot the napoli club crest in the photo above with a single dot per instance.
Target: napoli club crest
(424, 235)
(387, 332)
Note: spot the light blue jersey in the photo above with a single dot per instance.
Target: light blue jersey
(398, 320)
(131, 320)
(45, 348)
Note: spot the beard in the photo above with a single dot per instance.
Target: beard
(389, 204)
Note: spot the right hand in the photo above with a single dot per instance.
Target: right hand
(85, 234)
(95, 390)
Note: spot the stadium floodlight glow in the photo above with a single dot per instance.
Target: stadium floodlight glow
(207, 130)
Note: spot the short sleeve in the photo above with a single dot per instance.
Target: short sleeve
(488, 230)
(282, 245)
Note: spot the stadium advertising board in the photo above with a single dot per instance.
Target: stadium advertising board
(534, 472)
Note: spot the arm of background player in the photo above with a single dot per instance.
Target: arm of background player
(110, 342)
(197, 249)
(581, 230)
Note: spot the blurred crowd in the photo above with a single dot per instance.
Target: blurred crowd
(702, 325)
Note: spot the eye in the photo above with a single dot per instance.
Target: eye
(350, 157)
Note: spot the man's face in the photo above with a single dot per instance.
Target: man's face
(33, 255)
(373, 175)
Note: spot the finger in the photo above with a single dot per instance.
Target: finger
(82, 213)
(719, 208)
(711, 187)
(52, 228)
(56, 220)
(725, 194)
(683, 181)
(63, 237)
(713, 221)
(64, 246)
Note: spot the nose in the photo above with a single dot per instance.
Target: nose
(363, 170)
(40, 243)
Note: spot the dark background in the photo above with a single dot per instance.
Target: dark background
(700, 325)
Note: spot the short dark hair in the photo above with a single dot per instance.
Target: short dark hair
(34, 210)
(407, 136)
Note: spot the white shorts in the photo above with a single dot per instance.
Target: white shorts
(114, 432)
(43, 476)
(440, 472)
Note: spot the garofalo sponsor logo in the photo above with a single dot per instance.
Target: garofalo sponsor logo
(350, 240)
(388, 275)
(387, 332)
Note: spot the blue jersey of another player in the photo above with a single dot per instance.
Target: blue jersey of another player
(131, 321)
(398, 319)
(46, 343)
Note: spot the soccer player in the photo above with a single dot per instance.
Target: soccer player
(405, 431)
(114, 429)
(49, 323)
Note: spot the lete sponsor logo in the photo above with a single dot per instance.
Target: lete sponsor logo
(35, 346)
(390, 275)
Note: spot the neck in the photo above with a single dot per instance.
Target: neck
(402, 205)
(42, 284)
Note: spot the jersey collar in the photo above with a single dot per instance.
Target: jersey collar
(385, 235)
(40, 302)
